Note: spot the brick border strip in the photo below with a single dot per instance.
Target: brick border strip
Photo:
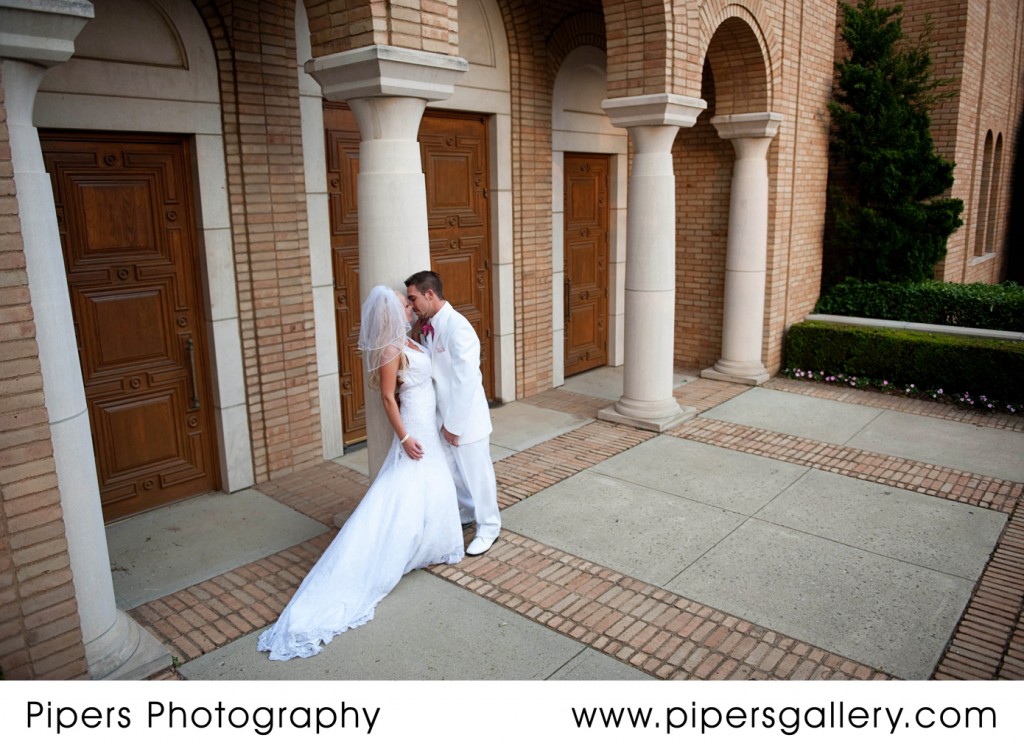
(642, 625)
(210, 614)
(320, 492)
(988, 642)
(566, 401)
(527, 472)
(936, 481)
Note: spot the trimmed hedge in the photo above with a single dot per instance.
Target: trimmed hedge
(976, 305)
(930, 361)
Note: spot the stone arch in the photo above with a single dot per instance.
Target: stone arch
(739, 53)
(167, 58)
(578, 30)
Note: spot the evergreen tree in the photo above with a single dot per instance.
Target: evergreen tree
(886, 220)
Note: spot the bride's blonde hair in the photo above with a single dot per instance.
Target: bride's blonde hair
(374, 375)
(382, 333)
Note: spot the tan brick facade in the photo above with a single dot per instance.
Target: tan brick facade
(752, 57)
(268, 208)
(428, 25)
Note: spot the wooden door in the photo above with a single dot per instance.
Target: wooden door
(586, 262)
(125, 215)
(454, 154)
(342, 176)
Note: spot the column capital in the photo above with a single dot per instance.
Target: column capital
(41, 32)
(654, 109)
(381, 70)
(749, 125)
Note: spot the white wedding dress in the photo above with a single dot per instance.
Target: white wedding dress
(409, 518)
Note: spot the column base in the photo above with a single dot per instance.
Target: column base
(132, 653)
(648, 423)
(754, 374)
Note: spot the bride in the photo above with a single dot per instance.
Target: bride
(409, 517)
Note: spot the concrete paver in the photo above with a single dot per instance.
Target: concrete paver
(648, 534)
(157, 553)
(518, 425)
(887, 614)
(424, 629)
(704, 473)
(988, 452)
(825, 421)
(933, 533)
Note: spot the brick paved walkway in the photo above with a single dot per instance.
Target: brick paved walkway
(647, 627)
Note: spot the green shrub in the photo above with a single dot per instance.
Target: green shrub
(888, 218)
(954, 364)
(976, 305)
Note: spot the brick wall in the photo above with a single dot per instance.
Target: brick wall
(255, 46)
(703, 168)
(40, 635)
(427, 25)
(798, 89)
(798, 168)
(990, 103)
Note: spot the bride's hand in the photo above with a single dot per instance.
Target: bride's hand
(413, 448)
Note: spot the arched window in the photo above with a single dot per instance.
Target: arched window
(994, 195)
(982, 216)
(988, 196)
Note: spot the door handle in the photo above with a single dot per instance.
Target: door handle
(192, 367)
(568, 300)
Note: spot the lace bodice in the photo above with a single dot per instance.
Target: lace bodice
(416, 395)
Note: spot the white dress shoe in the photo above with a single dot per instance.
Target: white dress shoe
(478, 546)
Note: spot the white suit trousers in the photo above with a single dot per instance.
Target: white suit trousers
(475, 486)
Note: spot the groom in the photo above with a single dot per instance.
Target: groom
(461, 406)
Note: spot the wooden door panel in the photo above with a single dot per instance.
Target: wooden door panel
(124, 209)
(348, 311)
(585, 329)
(123, 229)
(583, 261)
(342, 178)
(454, 153)
(129, 329)
(453, 149)
(138, 432)
(586, 262)
(583, 196)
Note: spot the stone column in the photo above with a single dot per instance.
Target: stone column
(33, 37)
(747, 248)
(650, 299)
(388, 89)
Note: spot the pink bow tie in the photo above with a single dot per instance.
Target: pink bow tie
(428, 329)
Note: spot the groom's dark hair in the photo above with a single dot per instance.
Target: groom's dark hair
(426, 280)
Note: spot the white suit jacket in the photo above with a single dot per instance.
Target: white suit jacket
(455, 359)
